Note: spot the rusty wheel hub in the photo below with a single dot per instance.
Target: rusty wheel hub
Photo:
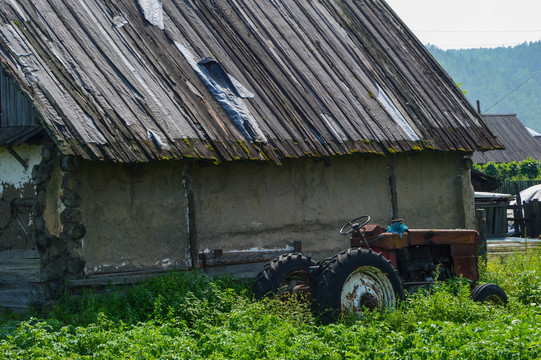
(298, 283)
(366, 288)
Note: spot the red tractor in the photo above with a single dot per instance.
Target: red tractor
(379, 267)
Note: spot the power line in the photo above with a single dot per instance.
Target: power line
(477, 31)
(471, 45)
(515, 89)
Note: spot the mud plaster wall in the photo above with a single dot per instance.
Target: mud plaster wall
(242, 205)
(135, 216)
(16, 197)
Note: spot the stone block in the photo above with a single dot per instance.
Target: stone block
(74, 231)
(71, 199)
(41, 173)
(39, 224)
(71, 182)
(71, 215)
(75, 265)
(57, 268)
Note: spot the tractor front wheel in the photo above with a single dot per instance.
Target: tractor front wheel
(489, 293)
(355, 280)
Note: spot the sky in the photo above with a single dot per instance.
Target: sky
(456, 24)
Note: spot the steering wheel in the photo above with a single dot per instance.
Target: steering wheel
(354, 226)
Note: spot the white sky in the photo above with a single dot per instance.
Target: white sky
(454, 24)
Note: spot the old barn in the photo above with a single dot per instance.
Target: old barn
(136, 135)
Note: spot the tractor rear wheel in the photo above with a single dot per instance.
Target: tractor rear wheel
(489, 293)
(355, 280)
(286, 274)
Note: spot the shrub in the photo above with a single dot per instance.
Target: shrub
(530, 168)
(491, 169)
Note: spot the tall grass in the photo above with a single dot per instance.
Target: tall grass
(191, 316)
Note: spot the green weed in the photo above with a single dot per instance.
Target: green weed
(191, 316)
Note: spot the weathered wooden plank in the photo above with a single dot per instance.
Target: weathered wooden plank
(20, 273)
(20, 266)
(19, 254)
(490, 220)
(239, 257)
(119, 278)
(18, 295)
(245, 271)
(535, 217)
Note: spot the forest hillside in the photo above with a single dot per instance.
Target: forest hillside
(505, 79)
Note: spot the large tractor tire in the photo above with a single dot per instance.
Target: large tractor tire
(286, 274)
(355, 280)
(489, 294)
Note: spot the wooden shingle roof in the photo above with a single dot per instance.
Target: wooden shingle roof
(134, 80)
(518, 141)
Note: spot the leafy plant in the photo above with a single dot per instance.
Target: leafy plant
(530, 168)
(491, 169)
(191, 316)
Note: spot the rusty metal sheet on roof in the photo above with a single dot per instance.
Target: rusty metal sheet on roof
(141, 80)
(518, 141)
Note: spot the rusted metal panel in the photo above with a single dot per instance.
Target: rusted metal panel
(298, 79)
(443, 237)
(413, 237)
(465, 261)
(387, 241)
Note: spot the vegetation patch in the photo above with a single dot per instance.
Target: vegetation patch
(528, 169)
(191, 316)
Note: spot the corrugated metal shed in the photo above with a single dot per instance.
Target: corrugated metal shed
(519, 143)
(134, 80)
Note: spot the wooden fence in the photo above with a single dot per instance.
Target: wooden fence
(532, 214)
(508, 187)
(20, 278)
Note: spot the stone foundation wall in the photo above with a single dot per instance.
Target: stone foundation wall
(58, 220)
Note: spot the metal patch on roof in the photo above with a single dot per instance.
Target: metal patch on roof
(228, 91)
(153, 12)
(334, 127)
(157, 139)
(216, 71)
(460, 122)
(395, 114)
(119, 21)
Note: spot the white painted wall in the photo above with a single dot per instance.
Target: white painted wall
(12, 171)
